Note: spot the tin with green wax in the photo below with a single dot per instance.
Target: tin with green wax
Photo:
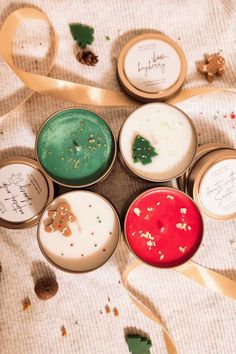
(76, 148)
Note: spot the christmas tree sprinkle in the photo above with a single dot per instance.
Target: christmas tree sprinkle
(138, 344)
(143, 151)
(83, 34)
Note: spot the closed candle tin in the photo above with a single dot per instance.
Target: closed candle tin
(163, 227)
(211, 181)
(152, 67)
(79, 231)
(24, 192)
(76, 148)
(157, 142)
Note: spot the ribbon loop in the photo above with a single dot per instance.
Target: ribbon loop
(77, 93)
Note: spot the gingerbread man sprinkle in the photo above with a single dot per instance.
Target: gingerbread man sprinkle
(60, 219)
(214, 65)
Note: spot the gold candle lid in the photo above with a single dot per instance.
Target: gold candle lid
(25, 192)
(152, 67)
(212, 183)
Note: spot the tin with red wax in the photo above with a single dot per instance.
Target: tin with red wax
(163, 227)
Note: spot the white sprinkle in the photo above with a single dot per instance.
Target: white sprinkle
(170, 197)
(183, 210)
(149, 209)
(133, 233)
(158, 203)
(161, 257)
(137, 211)
(146, 217)
(189, 228)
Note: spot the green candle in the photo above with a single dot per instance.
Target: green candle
(76, 147)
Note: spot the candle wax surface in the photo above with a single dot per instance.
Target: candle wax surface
(169, 132)
(75, 147)
(163, 227)
(94, 237)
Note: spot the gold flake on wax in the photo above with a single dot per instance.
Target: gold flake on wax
(150, 238)
(150, 209)
(183, 210)
(181, 226)
(137, 211)
(170, 197)
(182, 249)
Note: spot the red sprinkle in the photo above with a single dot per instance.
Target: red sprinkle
(232, 115)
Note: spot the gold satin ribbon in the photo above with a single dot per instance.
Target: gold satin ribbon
(77, 93)
(169, 342)
(201, 275)
(89, 95)
(209, 279)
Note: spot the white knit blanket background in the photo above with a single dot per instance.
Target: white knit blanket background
(199, 320)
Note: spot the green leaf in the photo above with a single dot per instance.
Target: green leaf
(138, 344)
(143, 151)
(82, 34)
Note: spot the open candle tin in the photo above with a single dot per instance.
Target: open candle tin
(163, 227)
(79, 231)
(157, 142)
(76, 148)
(25, 192)
(211, 181)
(152, 67)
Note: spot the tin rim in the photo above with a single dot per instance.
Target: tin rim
(79, 271)
(216, 157)
(50, 192)
(128, 210)
(161, 95)
(101, 178)
(202, 150)
(157, 180)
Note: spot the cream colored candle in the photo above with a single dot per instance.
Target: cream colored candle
(79, 231)
(158, 142)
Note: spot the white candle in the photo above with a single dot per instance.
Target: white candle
(171, 136)
(92, 234)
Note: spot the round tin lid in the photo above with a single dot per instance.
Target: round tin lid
(214, 186)
(152, 67)
(24, 192)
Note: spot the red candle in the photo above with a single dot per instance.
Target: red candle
(163, 227)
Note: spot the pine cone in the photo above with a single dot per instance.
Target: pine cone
(87, 57)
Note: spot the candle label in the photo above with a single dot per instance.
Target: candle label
(60, 219)
(143, 151)
(218, 188)
(152, 65)
(24, 192)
